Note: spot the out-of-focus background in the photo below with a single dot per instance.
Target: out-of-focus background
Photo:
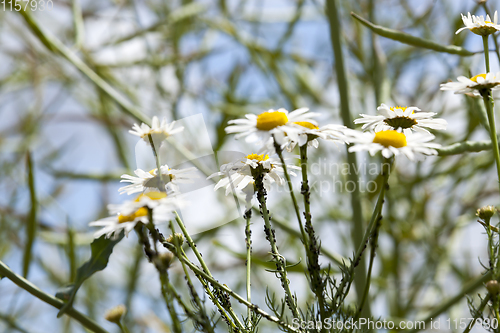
(204, 63)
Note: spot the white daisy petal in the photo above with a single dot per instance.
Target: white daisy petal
(392, 142)
(405, 119)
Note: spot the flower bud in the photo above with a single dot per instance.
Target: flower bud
(164, 260)
(177, 237)
(485, 213)
(493, 287)
(115, 314)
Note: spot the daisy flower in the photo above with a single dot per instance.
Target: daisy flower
(260, 128)
(306, 132)
(127, 215)
(150, 180)
(239, 175)
(474, 85)
(159, 131)
(392, 143)
(480, 26)
(403, 119)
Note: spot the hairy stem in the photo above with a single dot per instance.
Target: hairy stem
(248, 242)
(313, 250)
(271, 237)
(488, 103)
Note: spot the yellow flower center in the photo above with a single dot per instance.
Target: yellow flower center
(488, 22)
(390, 138)
(257, 157)
(474, 78)
(306, 124)
(155, 182)
(398, 107)
(143, 211)
(268, 120)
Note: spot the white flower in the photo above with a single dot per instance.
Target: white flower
(150, 180)
(128, 214)
(473, 85)
(238, 175)
(403, 119)
(306, 132)
(480, 26)
(392, 143)
(159, 131)
(259, 128)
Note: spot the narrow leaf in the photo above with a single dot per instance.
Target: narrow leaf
(403, 37)
(31, 221)
(101, 249)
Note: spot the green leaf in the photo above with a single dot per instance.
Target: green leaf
(403, 37)
(31, 221)
(101, 250)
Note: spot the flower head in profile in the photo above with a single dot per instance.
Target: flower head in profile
(303, 132)
(239, 175)
(402, 119)
(474, 85)
(392, 143)
(479, 25)
(127, 215)
(168, 179)
(159, 131)
(260, 128)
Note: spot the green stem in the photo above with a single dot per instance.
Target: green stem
(486, 53)
(313, 250)
(277, 257)
(334, 19)
(49, 299)
(369, 231)
(479, 311)
(122, 327)
(205, 322)
(386, 170)
(158, 164)
(488, 103)
(277, 147)
(248, 241)
(192, 245)
(202, 275)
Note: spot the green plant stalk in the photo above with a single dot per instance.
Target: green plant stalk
(248, 242)
(479, 311)
(277, 147)
(192, 290)
(410, 39)
(202, 275)
(386, 169)
(122, 327)
(369, 231)
(488, 103)
(277, 257)
(31, 222)
(162, 271)
(176, 324)
(49, 299)
(343, 87)
(313, 250)
(203, 264)
(157, 160)
(486, 53)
